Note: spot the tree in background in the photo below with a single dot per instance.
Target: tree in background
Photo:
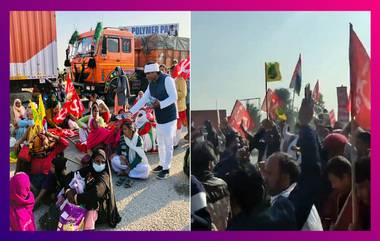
(254, 112)
(285, 97)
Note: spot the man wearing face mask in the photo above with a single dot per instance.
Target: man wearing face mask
(98, 196)
(161, 94)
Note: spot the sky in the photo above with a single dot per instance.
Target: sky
(68, 22)
(229, 50)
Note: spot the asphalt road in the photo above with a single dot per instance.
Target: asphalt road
(148, 205)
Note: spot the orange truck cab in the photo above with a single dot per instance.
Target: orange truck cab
(92, 63)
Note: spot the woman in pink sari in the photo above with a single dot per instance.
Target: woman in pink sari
(21, 203)
(95, 129)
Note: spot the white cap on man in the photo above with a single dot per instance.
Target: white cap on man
(149, 68)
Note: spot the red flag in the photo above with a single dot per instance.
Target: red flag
(240, 115)
(182, 69)
(360, 79)
(274, 103)
(73, 103)
(268, 98)
(349, 102)
(332, 118)
(316, 94)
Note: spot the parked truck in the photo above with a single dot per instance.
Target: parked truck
(93, 58)
(33, 49)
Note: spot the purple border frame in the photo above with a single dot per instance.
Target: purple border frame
(224, 5)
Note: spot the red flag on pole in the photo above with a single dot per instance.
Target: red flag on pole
(182, 69)
(360, 79)
(274, 103)
(73, 103)
(268, 98)
(316, 94)
(240, 115)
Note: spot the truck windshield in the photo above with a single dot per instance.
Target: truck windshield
(83, 46)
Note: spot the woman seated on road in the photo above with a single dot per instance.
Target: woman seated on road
(104, 111)
(98, 196)
(36, 158)
(92, 128)
(18, 111)
(22, 125)
(53, 107)
(130, 158)
(21, 204)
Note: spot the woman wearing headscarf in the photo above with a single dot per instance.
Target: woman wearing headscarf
(104, 111)
(21, 203)
(130, 158)
(36, 157)
(98, 196)
(92, 128)
(18, 111)
(53, 108)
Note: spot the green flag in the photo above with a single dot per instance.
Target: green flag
(98, 32)
(272, 72)
(74, 37)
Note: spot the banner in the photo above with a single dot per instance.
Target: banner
(296, 81)
(240, 116)
(170, 29)
(343, 114)
(360, 79)
(272, 72)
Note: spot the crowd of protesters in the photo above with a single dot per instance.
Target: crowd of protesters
(112, 142)
(316, 178)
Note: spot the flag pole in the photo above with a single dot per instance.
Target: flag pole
(353, 173)
(353, 161)
(294, 91)
(217, 113)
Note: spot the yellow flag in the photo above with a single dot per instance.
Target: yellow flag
(41, 109)
(272, 72)
(35, 114)
(38, 115)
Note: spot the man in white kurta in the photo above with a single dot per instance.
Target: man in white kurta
(161, 94)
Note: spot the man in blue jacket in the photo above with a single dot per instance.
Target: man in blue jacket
(161, 94)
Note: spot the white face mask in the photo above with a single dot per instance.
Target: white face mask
(98, 168)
